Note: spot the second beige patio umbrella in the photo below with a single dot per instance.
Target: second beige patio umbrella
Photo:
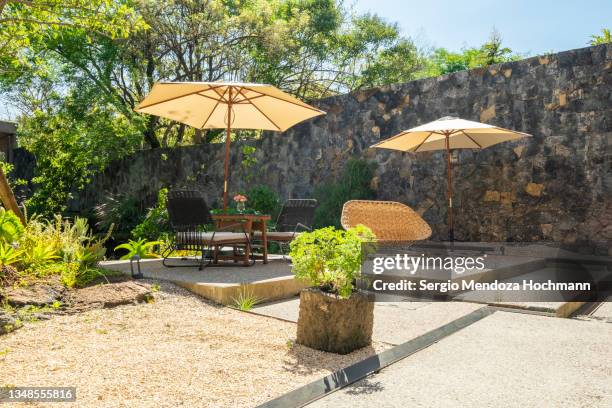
(449, 133)
(226, 105)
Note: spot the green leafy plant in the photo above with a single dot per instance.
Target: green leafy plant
(8, 254)
(40, 254)
(122, 212)
(329, 258)
(353, 184)
(156, 223)
(73, 275)
(11, 227)
(141, 248)
(264, 200)
(246, 299)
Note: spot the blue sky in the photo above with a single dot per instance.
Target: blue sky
(526, 26)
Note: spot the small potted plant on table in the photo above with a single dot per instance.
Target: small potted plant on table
(334, 316)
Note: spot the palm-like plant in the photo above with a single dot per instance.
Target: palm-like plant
(140, 248)
(40, 254)
(8, 254)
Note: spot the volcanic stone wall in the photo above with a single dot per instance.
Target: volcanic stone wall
(554, 186)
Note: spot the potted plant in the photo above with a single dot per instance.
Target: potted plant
(333, 316)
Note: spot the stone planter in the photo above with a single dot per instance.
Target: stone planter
(336, 325)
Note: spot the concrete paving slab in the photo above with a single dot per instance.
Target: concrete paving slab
(604, 311)
(218, 275)
(505, 359)
(222, 284)
(394, 322)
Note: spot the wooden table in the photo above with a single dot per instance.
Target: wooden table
(251, 222)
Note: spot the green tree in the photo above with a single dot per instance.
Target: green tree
(604, 38)
(26, 22)
(491, 52)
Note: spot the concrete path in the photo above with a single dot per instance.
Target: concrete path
(217, 275)
(504, 360)
(394, 322)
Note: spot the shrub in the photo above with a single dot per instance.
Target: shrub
(330, 258)
(353, 184)
(11, 227)
(264, 200)
(122, 212)
(61, 247)
(156, 223)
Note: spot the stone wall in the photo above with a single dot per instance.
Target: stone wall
(554, 186)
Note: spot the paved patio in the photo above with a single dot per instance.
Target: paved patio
(222, 283)
(505, 359)
(394, 322)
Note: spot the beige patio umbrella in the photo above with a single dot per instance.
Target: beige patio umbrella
(226, 105)
(449, 133)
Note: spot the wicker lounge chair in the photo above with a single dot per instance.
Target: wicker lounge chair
(295, 216)
(188, 215)
(391, 222)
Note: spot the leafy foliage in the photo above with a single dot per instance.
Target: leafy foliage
(122, 212)
(141, 248)
(492, 51)
(330, 258)
(61, 247)
(264, 200)
(8, 254)
(353, 184)
(604, 38)
(71, 143)
(73, 276)
(11, 228)
(156, 224)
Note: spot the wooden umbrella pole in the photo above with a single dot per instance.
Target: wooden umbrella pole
(451, 232)
(228, 140)
(8, 198)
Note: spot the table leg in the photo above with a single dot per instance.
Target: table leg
(264, 241)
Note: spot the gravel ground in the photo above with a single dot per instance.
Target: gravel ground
(177, 351)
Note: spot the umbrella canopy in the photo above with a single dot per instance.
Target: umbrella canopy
(226, 105)
(449, 133)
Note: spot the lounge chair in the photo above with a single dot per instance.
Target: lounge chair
(296, 216)
(189, 215)
(391, 222)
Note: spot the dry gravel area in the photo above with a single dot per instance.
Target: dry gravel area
(177, 351)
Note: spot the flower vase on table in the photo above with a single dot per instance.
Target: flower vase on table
(240, 202)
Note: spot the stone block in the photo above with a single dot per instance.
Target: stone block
(546, 229)
(507, 197)
(519, 150)
(487, 114)
(563, 151)
(534, 189)
(491, 196)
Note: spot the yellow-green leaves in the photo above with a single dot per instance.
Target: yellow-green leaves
(330, 258)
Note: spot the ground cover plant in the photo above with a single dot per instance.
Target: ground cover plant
(41, 247)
